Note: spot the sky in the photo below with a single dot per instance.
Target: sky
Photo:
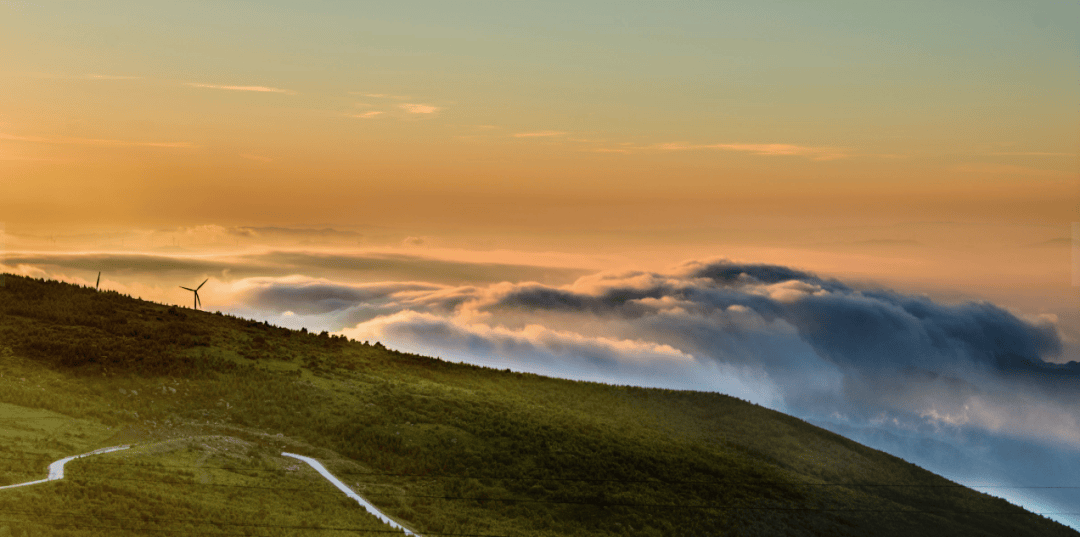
(725, 196)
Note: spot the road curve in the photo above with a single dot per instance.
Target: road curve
(56, 469)
(56, 473)
(348, 491)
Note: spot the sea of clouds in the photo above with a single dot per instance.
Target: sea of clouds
(969, 390)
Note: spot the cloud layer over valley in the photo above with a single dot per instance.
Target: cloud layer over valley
(970, 390)
(959, 388)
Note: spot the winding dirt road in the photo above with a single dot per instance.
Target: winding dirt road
(56, 469)
(56, 473)
(348, 491)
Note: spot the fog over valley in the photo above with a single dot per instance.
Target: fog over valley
(980, 392)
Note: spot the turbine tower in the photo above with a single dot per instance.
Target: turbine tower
(196, 291)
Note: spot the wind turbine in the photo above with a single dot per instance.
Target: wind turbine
(97, 286)
(196, 291)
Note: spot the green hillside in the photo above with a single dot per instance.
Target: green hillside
(210, 401)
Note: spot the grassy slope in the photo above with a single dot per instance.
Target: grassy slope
(212, 401)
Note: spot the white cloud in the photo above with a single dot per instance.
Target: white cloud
(564, 354)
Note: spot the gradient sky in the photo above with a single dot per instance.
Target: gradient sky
(381, 169)
(929, 145)
(243, 111)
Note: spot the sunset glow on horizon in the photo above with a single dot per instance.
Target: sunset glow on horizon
(488, 170)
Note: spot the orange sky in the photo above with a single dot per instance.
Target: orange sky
(825, 135)
(154, 112)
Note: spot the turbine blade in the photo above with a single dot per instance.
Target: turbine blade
(182, 287)
(197, 299)
(202, 284)
(98, 284)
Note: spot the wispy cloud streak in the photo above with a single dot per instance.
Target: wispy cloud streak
(1034, 154)
(367, 115)
(539, 134)
(1009, 169)
(112, 77)
(379, 95)
(811, 152)
(416, 108)
(93, 141)
(259, 89)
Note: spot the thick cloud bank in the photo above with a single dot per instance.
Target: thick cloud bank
(771, 334)
(954, 387)
(810, 345)
(969, 390)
